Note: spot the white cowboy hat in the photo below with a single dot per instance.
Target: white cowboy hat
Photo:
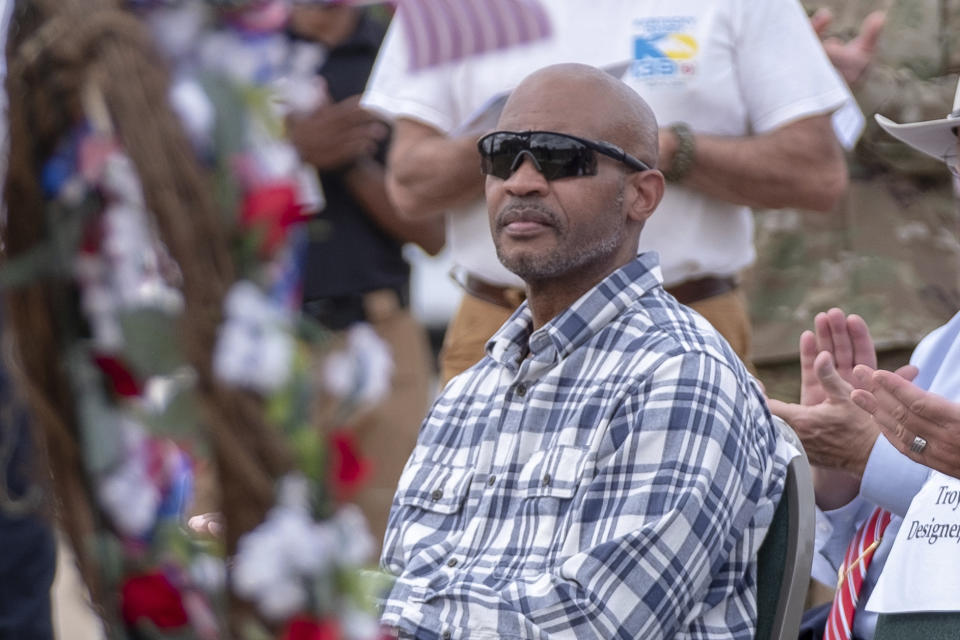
(937, 138)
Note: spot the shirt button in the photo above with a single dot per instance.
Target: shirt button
(491, 480)
(436, 495)
(452, 562)
(547, 480)
(520, 389)
(446, 634)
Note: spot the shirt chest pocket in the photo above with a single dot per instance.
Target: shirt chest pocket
(555, 473)
(434, 487)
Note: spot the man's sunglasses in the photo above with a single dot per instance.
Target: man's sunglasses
(555, 155)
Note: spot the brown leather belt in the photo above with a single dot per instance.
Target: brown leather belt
(691, 291)
(506, 297)
(687, 292)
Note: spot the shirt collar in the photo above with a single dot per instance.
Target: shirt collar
(571, 328)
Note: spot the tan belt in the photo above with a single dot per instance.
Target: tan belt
(691, 291)
(506, 297)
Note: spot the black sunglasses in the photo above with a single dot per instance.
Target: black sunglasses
(555, 155)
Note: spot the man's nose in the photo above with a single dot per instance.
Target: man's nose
(526, 178)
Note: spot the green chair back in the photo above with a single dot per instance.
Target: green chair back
(786, 554)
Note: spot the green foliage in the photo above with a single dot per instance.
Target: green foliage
(151, 345)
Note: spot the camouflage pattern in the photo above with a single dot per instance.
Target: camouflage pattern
(890, 251)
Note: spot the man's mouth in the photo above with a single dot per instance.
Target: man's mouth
(524, 220)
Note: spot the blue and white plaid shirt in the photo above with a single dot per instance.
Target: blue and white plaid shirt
(614, 483)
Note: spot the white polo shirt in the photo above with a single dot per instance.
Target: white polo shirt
(725, 67)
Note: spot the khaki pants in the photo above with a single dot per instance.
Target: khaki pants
(728, 314)
(387, 434)
(476, 321)
(472, 326)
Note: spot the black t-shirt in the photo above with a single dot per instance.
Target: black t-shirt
(348, 253)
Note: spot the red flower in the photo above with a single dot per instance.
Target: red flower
(350, 468)
(272, 208)
(304, 628)
(93, 234)
(151, 596)
(121, 379)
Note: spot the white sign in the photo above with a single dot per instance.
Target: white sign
(923, 570)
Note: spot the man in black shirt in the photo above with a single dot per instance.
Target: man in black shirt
(355, 270)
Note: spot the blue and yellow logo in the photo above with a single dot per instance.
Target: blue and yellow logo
(664, 49)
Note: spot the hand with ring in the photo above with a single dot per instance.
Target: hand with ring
(922, 425)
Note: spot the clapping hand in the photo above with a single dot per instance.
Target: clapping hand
(850, 58)
(922, 425)
(836, 433)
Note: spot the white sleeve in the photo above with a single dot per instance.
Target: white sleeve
(891, 479)
(394, 91)
(835, 529)
(783, 71)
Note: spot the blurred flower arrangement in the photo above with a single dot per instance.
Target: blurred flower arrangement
(153, 262)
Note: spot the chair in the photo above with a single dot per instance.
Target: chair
(918, 626)
(786, 554)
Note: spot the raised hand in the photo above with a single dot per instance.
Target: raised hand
(850, 58)
(835, 432)
(846, 338)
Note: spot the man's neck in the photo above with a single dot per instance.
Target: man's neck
(549, 298)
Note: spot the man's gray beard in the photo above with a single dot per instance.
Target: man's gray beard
(532, 269)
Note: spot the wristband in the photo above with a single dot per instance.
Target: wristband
(682, 161)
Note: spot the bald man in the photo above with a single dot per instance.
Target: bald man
(608, 469)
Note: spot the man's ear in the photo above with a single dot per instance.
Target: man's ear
(646, 191)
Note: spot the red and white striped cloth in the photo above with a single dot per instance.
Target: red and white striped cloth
(852, 574)
(441, 31)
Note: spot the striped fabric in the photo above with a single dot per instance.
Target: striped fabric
(441, 31)
(609, 475)
(852, 573)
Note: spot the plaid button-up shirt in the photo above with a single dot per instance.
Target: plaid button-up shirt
(610, 475)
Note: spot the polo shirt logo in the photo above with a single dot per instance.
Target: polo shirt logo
(664, 48)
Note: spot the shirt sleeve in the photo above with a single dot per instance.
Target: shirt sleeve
(783, 71)
(835, 529)
(687, 475)
(891, 479)
(394, 91)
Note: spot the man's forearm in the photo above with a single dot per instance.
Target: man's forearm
(366, 181)
(428, 172)
(798, 165)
